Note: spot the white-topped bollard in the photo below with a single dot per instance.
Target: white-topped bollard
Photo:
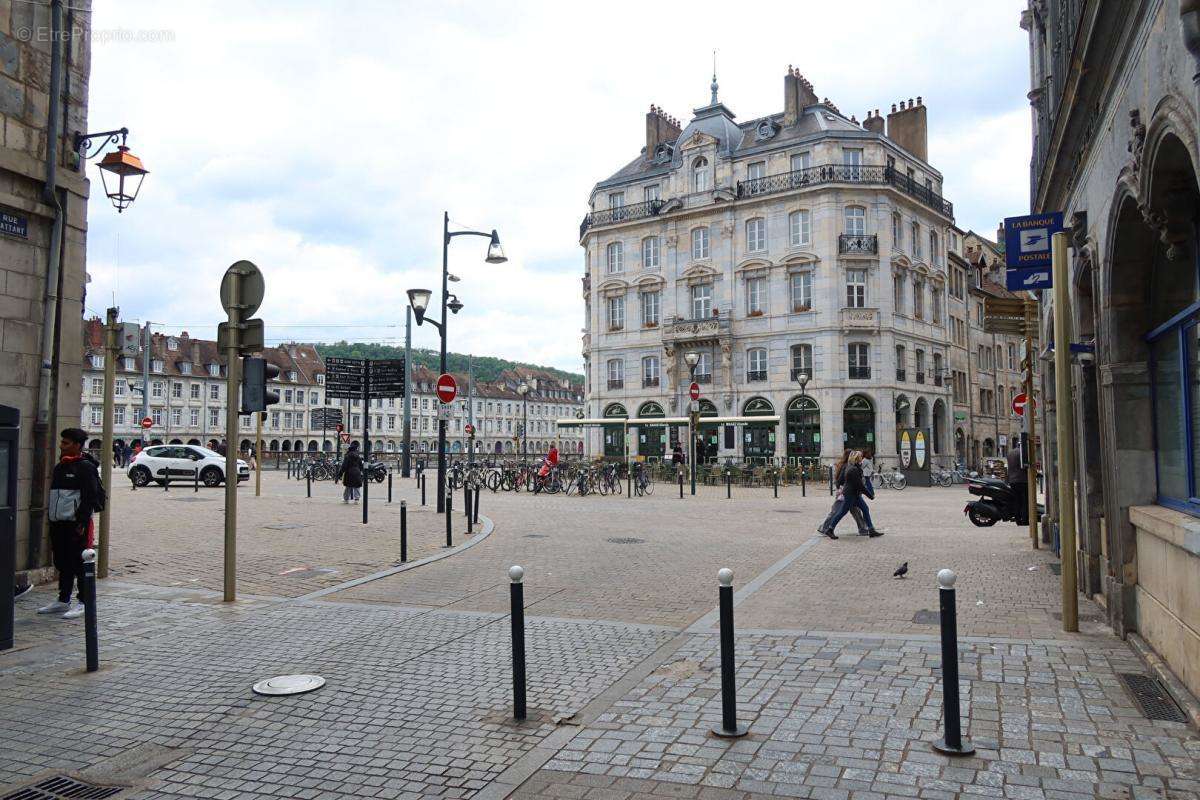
(951, 742)
(91, 638)
(516, 577)
(729, 725)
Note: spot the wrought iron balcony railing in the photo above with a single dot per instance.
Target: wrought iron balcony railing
(647, 382)
(842, 173)
(756, 375)
(616, 383)
(611, 216)
(920, 377)
(858, 243)
(901, 376)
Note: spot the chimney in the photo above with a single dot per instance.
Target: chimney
(1000, 233)
(874, 122)
(660, 128)
(798, 94)
(909, 128)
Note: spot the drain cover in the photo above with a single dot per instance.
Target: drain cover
(288, 684)
(624, 540)
(60, 787)
(927, 616)
(1152, 698)
(285, 526)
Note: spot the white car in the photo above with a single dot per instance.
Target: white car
(179, 462)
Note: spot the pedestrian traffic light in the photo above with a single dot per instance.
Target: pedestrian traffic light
(256, 373)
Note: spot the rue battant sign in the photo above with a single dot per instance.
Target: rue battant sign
(1027, 250)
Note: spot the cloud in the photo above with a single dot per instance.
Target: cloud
(323, 142)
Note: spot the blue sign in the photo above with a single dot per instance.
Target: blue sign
(1024, 280)
(1027, 240)
(14, 225)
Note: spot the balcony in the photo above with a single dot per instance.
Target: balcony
(611, 216)
(859, 372)
(860, 319)
(679, 329)
(616, 383)
(703, 377)
(841, 173)
(649, 382)
(755, 375)
(901, 376)
(920, 377)
(858, 244)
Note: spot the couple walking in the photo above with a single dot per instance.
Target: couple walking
(853, 485)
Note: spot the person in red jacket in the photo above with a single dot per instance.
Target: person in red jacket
(552, 456)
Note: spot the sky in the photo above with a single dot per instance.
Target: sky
(324, 140)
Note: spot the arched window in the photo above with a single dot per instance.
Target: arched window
(700, 176)
(616, 257)
(856, 221)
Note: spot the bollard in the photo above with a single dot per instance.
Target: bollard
(289, 469)
(775, 481)
(389, 487)
(403, 531)
(803, 484)
(831, 480)
(628, 481)
(422, 488)
(729, 725)
(449, 520)
(728, 485)
(366, 493)
(467, 505)
(475, 510)
(516, 576)
(308, 483)
(91, 640)
(681, 484)
(196, 480)
(951, 742)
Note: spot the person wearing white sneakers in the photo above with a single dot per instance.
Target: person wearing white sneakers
(75, 494)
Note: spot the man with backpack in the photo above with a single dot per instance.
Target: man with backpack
(75, 494)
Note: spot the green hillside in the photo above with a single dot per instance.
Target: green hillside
(487, 368)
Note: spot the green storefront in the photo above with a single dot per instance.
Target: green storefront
(803, 428)
(651, 440)
(614, 435)
(758, 438)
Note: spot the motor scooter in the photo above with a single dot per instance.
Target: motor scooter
(998, 502)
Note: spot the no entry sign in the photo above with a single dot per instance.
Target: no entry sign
(694, 391)
(147, 422)
(1018, 404)
(447, 388)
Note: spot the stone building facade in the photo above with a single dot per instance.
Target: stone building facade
(801, 242)
(43, 234)
(1116, 144)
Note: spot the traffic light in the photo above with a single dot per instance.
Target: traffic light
(256, 373)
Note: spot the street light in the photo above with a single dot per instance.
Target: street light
(419, 299)
(523, 390)
(802, 378)
(125, 168)
(692, 359)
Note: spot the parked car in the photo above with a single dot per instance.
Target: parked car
(179, 462)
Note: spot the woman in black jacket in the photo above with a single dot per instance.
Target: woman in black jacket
(854, 488)
(350, 473)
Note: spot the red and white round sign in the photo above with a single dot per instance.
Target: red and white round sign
(147, 422)
(447, 388)
(1018, 404)
(694, 391)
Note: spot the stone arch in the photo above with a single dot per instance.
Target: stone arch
(287, 446)
(313, 446)
(175, 441)
(858, 423)
(194, 442)
(938, 426)
(921, 413)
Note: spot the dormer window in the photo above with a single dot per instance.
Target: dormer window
(97, 361)
(292, 376)
(663, 153)
(320, 379)
(214, 370)
(185, 368)
(172, 343)
(700, 176)
(156, 365)
(127, 363)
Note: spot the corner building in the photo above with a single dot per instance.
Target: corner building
(801, 242)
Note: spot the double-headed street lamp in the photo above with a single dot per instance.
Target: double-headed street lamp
(523, 390)
(692, 358)
(419, 299)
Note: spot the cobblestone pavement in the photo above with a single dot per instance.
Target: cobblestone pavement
(288, 544)
(837, 678)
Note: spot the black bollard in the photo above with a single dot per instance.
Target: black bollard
(467, 506)
(951, 742)
(475, 510)
(449, 520)
(308, 483)
(196, 480)
(728, 484)
(91, 640)
(729, 725)
(831, 481)
(628, 481)
(403, 531)
(366, 492)
(803, 485)
(775, 481)
(422, 488)
(681, 484)
(389, 487)
(167, 481)
(516, 576)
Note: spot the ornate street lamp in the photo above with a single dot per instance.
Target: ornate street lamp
(126, 169)
(523, 390)
(692, 359)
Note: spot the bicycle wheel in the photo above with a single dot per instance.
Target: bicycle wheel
(601, 486)
(899, 483)
(506, 482)
(492, 481)
(648, 488)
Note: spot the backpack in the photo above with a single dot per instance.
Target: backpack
(101, 496)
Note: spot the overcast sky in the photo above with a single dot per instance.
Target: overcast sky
(322, 141)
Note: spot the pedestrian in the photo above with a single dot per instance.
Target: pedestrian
(116, 455)
(839, 473)
(854, 489)
(677, 455)
(75, 494)
(552, 456)
(350, 473)
(1018, 479)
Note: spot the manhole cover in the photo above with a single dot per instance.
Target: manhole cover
(285, 526)
(1152, 698)
(288, 684)
(927, 616)
(625, 540)
(59, 787)
(537, 536)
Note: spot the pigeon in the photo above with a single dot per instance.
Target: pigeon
(901, 570)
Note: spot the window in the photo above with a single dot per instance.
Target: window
(756, 364)
(852, 160)
(214, 391)
(214, 370)
(859, 360)
(616, 313)
(651, 309)
(195, 391)
(185, 368)
(156, 389)
(933, 247)
(916, 239)
(935, 297)
(652, 193)
(856, 288)
(292, 377)
(194, 417)
(119, 388)
(97, 415)
(650, 252)
(97, 361)
(119, 415)
(920, 366)
(702, 301)
(756, 296)
(275, 420)
(616, 200)
(156, 415)
(299, 419)
(700, 182)
(919, 299)
(177, 390)
(616, 258)
(900, 364)
(97, 386)
(214, 417)
(312, 399)
(650, 371)
(1012, 356)
(756, 235)
(700, 243)
(287, 419)
(127, 363)
(704, 368)
(937, 369)
(177, 417)
(897, 232)
(801, 289)
(156, 365)
(800, 228)
(898, 293)
(616, 373)
(856, 221)
(287, 395)
(801, 161)
(801, 360)
(320, 379)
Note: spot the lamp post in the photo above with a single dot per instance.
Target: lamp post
(692, 359)
(125, 168)
(802, 378)
(420, 297)
(586, 446)
(523, 390)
